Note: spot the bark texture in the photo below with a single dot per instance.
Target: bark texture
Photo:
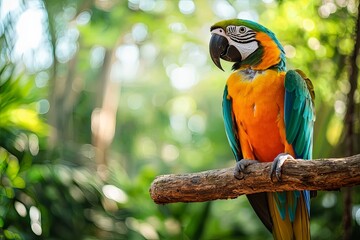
(318, 174)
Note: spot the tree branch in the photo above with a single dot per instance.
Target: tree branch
(318, 174)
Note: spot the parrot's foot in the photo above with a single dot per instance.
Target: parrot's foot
(240, 167)
(277, 164)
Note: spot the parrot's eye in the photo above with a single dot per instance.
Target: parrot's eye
(242, 29)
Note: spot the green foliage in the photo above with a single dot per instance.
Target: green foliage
(18, 112)
(20, 129)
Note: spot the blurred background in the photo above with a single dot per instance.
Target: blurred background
(98, 97)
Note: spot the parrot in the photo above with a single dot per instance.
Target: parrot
(269, 116)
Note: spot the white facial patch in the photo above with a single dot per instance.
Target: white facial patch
(246, 48)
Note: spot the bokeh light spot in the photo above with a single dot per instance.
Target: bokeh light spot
(139, 32)
(97, 55)
(83, 18)
(20, 208)
(329, 200)
(290, 51)
(223, 9)
(43, 106)
(169, 153)
(185, 77)
(186, 6)
(314, 43)
(114, 193)
(197, 123)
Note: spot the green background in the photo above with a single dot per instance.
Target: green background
(112, 93)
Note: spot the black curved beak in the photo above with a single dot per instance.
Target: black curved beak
(219, 48)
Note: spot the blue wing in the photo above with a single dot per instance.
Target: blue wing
(230, 126)
(299, 113)
(299, 117)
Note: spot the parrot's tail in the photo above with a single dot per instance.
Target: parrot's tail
(289, 215)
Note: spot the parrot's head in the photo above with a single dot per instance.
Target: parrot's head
(247, 44)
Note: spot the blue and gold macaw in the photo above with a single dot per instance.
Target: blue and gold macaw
(269, 116)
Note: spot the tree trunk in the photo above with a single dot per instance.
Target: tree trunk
(350, 136)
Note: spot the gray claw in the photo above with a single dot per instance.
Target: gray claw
(240, 167)
(277, 164)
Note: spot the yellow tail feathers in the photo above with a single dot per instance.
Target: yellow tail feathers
(299, 229)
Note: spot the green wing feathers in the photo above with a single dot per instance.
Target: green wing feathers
(230, 126)
(291, 210)
(299, 113)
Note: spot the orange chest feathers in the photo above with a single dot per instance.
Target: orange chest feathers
(258, 106)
